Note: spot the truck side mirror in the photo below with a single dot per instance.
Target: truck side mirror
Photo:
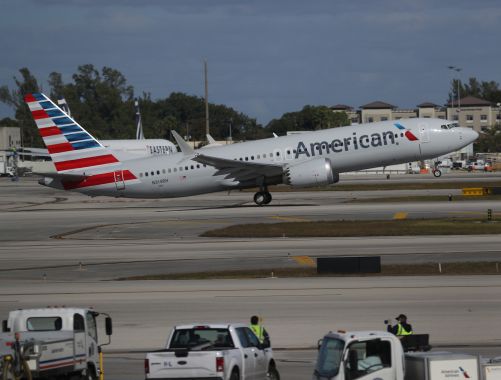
(353, 360)
(109, 326)
(5, 328)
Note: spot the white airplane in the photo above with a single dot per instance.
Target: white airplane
(314, 158)
(127, 149)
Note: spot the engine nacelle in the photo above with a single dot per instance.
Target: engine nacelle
(315, 172)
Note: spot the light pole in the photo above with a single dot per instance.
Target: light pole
(457, 70)
(499, 113)
(229, 127)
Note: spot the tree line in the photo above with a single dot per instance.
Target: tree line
(103, 103)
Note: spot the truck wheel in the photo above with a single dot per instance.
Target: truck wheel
(88, 374)
(273, 374)
(10, 373)
(235, 375)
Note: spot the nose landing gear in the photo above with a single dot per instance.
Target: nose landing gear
(262, 198)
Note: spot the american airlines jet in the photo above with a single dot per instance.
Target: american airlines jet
(84, 165)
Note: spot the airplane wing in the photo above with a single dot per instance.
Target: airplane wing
(239, 170)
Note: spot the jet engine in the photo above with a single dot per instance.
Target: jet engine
(316, 172)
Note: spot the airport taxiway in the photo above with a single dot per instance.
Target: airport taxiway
(62, 248)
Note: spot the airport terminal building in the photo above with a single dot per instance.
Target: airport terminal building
(472, 112)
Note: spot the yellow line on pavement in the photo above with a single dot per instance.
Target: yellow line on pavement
(304, 260)
(400, 215)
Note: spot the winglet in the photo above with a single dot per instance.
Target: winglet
(183, 145)
(211, 140)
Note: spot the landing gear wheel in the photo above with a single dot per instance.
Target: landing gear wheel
(268, 198)
(273, 374)
(437, 173)
(260, 198)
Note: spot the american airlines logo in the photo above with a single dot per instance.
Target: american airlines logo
(354, 142)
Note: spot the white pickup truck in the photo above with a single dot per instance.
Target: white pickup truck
(223, 351)
(54, 342)
(370, 355)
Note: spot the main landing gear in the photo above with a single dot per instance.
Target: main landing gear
(262, 198)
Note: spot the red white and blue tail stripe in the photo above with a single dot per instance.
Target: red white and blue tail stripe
(70, 146)
(74, 150)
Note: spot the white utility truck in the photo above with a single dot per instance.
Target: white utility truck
(52, 342)
(223, 351)
(370, 355)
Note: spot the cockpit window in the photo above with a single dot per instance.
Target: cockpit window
(453, 125)
(443, 126)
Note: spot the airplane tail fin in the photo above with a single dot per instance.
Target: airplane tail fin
(70, 146)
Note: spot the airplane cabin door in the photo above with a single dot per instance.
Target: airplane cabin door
(119, 179)
(424, 134)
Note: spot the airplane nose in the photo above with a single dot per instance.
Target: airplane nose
(473, 135)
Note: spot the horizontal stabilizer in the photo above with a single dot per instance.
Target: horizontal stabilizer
(63, 177)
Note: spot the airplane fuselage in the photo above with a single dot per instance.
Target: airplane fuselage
(348, 148)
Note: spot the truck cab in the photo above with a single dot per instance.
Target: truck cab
(360, 355)
(66, 339)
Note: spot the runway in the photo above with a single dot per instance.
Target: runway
(61, 248)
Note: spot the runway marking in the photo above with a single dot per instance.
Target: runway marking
(305, 260)
(290, 218)
(400, 215)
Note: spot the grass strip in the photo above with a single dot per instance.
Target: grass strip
(348, 228)
(424, 269)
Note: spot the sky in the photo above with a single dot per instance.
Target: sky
(265, 57)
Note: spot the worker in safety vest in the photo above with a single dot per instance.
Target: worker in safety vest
(402, 328)
(259, 330)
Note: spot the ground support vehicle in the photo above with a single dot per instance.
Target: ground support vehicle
(224, 351)
(370, 355)
(53, 343)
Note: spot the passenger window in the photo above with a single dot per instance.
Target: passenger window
(264, 155)
(198, 166)
(254, 342)
(252, 157)
(91, 325)
(158, 172)
(186, 168)
(242, 337)
(246, 158)
(371, 356)
(169, 170)
(192, 167)
(152, 173)
(180, 168)
(175, 170)
(163, 171)
(146, 174)
(78, 323)
(140, 175)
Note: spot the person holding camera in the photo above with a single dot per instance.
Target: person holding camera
(402, 328)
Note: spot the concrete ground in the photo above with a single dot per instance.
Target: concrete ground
(61, 248)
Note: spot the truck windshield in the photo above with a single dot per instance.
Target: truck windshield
(201, 339)
(329, 357)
